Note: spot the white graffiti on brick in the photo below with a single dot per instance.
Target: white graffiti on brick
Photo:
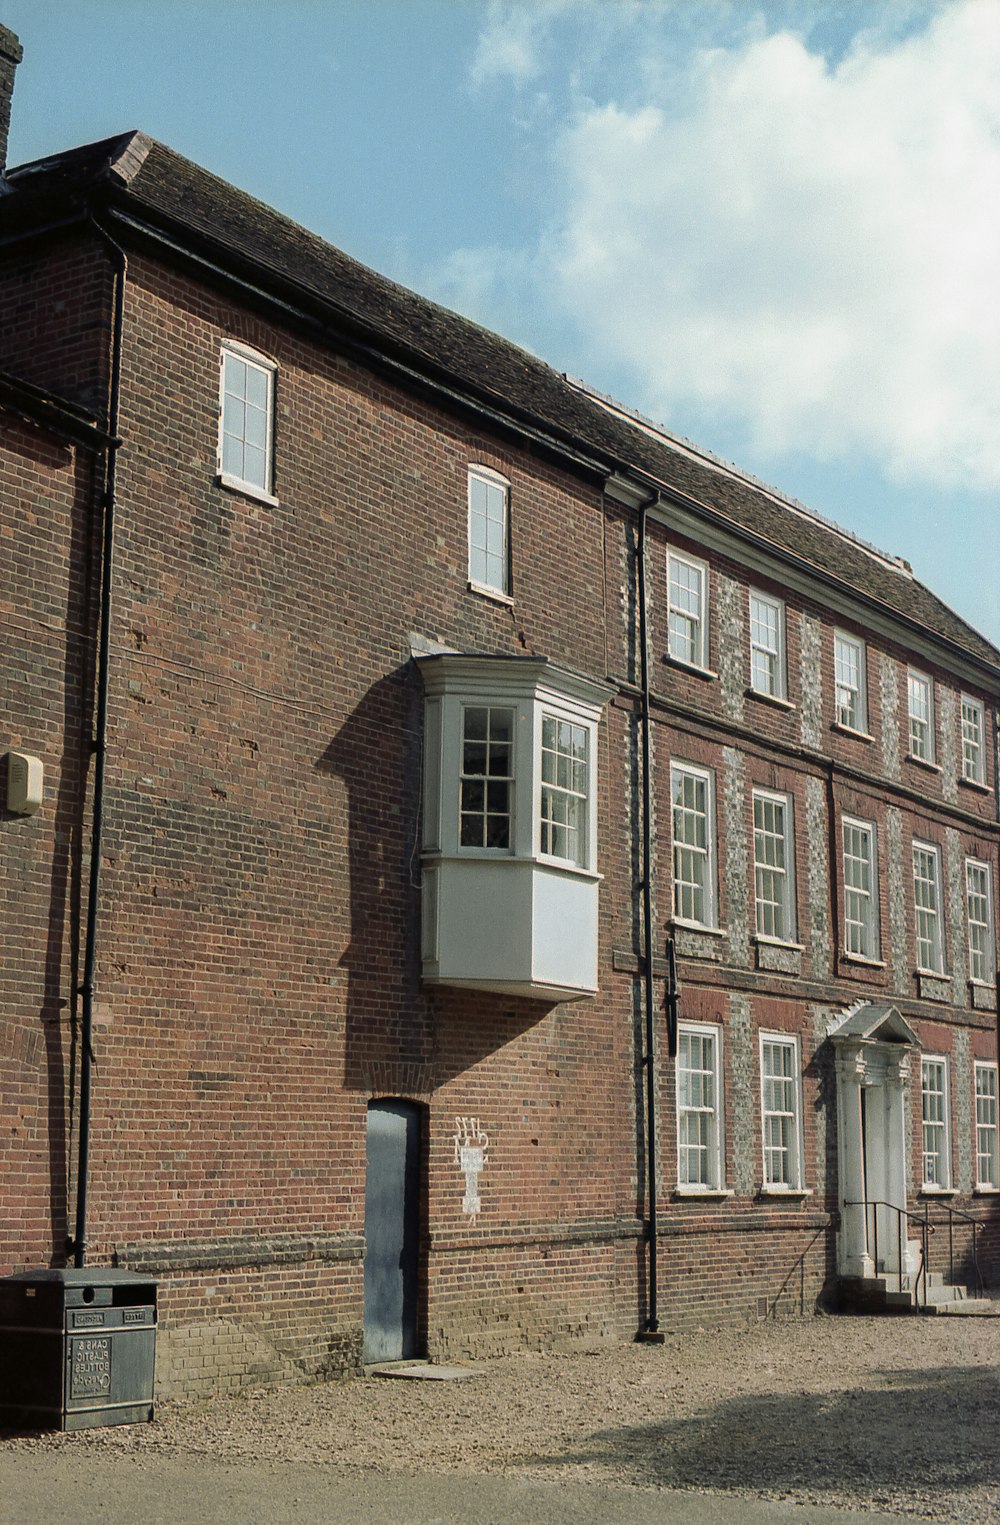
(471, 1144)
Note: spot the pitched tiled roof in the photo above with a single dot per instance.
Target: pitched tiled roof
(151, 182)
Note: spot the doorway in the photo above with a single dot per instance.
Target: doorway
(873, 1045)
(392, 1230)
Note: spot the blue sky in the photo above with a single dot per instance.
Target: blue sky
(770, 226)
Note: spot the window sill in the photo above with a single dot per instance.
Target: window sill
(691, 667)
(848, 730)
(494, 594)
(764, 941)
(786, 1193)
(975, 784)
(502, 857)
(697, 926)
(247, 489)
(859, 958)
(986, 1191)
(923, 762)
(703, 1193)
(775, 700)
(931, 974)
(938, 1191)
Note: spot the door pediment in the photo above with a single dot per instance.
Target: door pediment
(873, 1023)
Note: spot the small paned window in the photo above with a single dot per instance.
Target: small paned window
(973, 731)
(246, 421)
(935, 1133)
(489, 530)
(987, 1168)
(781, 1113)
(979, 900)
(927, 906)
(487, 779)
(687, 594)
(920, 696)
(861, 928)
(694, 844)
(774, 860)
(565, 791)
(699, 1111)
(767, 645)
(849, 678)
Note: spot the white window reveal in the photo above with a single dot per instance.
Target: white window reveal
(687, 597)
(489, 530)
(861, 924)
(699, 1108)
(920, 700)
(927, 906)
(979, 901)
(694, 844)
(565, 790)
(849, 678)
(774, 864)
(246, 421)
(987, 1165)
(973, 732)
(509, 885)
(767, 645)
(781, 1112)
(487, 780)
(936, 1125)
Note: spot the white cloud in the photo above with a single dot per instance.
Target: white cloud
(811, 249)
(512, 41)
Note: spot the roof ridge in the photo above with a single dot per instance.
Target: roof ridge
(717, 463)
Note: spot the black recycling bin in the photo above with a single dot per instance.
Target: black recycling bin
(77, 1348)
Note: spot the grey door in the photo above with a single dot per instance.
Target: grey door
(392, 1229)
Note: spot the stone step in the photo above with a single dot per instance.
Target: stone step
(968, 1307)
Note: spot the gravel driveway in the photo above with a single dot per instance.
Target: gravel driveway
(892, 1415)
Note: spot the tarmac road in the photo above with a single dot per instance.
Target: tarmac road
(41, 1487)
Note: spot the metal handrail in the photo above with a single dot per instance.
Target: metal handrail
(977, 1224)
(926, 1229)
(922, 1216)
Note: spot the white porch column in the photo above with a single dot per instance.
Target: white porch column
(852, 1241)
(897, 1072)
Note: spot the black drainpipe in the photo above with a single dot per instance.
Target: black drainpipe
(651, 1327)
(78, 1245)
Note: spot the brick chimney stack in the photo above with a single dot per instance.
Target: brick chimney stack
(11, 54)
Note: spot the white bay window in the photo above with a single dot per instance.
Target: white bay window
(509, 883)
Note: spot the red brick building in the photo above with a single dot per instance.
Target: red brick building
(343, 809)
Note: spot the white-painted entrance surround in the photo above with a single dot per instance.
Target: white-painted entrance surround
(873, 1046)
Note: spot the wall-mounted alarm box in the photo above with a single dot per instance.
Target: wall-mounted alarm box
(25, 777)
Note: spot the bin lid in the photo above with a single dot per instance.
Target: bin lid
(82, 1276)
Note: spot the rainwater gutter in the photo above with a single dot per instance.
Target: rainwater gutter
(77, 1246)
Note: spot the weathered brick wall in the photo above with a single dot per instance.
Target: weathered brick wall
(46, 494)
(258, 977)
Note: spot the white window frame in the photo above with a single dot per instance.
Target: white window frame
(260, 366)
(781, 1125)
(680, 613)
(680, 773)
(928, 925)
(489, 532)
(935, 1126)
(699, 1115)
(850, 682)
(973, 740)
(488, 778)
(767, 645)
(564, 790)
(861, 909)
(774, 866)
(979, 913)
(987, 1132)
(921, 715)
